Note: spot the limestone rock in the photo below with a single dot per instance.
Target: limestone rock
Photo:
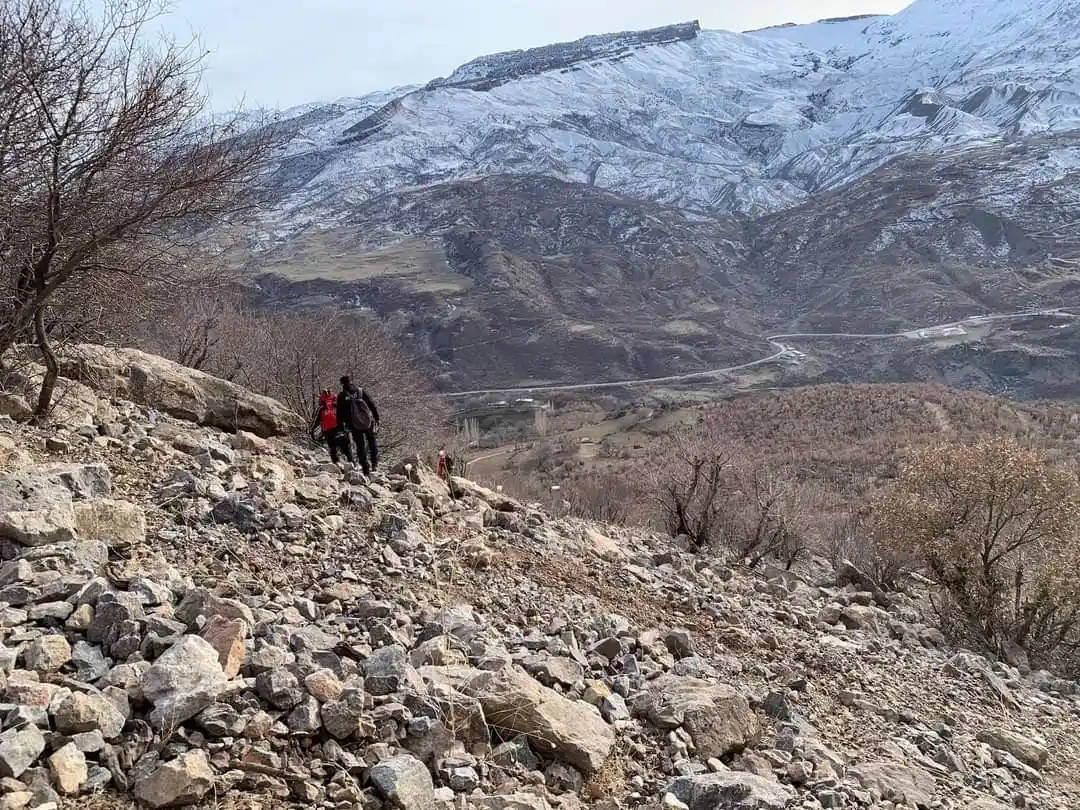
(47, 654)
(226, 636)
(718, 719)
(1027, 751)
(182, 782)
(177, 390)
(69, 770)
(118, 524)
(573, 731)
(897, 782)
(81, 712)
(183, 681)
(405, 782)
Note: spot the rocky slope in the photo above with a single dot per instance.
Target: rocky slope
(197, 617)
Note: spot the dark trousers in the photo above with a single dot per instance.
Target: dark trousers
(337, 441)
(361, 437)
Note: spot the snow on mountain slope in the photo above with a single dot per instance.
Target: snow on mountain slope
(706, 120)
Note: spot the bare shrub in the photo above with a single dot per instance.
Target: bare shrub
(996, 527)
(109, 166)
(853, 537)
(688, 484)
(608, 496)
(714, 493)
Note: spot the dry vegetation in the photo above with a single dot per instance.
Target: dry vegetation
(976, 493)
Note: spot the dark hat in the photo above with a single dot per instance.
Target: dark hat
(344, 381)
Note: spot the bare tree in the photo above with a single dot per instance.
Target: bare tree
(689, 484)
(109, 162)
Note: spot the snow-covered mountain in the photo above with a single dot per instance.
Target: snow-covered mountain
(709, 121)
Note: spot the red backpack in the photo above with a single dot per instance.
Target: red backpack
(327, 412)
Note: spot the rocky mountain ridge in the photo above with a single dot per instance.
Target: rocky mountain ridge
(206, 618)
(712, 121)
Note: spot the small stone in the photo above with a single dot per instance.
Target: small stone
(81, 712)
(69, 770)
(47, 654)
(183, 781)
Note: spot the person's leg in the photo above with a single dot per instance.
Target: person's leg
(373, 447)
(332, 446)
(361, 452)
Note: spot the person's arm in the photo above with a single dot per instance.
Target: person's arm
(371, 405)
(341, 411)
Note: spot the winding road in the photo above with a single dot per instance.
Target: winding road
(783, 352)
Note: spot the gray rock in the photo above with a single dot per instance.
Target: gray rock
(90, 663)
(183, 681)
(47, 654)
(387, 670)
(732, 790)
(572, 731)
(342, 717)
(312, 639)
(81, 712)
(200, 603)
(19, 749)
(280, 688)
(1024, 749)
(719, 719)
(404, 782)
(183, 781)
(895, 782)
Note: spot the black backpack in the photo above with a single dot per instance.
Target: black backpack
(359, 413)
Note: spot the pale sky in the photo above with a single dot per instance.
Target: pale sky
(280, 53)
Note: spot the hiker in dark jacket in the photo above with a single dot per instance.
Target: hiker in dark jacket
(357, 412)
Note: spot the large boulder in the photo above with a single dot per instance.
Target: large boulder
(731, 789)
(718, 719)
(572, 731)
(898, 783)
(1024, 749)
(177, 390)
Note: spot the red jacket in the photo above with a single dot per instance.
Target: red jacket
(327, 415)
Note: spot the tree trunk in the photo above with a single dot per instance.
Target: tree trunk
(52, 367)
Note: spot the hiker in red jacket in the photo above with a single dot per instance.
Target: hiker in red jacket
(326, 419)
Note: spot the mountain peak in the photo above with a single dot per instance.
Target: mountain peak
(493, 70)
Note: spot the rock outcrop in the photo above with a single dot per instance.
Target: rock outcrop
(177, 390)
